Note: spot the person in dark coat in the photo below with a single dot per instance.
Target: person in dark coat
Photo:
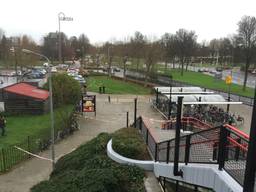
(2, 124)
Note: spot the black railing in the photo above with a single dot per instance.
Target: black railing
(223, 145)
(11, 156)
(165, 80)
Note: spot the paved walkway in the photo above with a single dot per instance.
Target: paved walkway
(110, 117)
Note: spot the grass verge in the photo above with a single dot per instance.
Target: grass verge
(114, 86)
(19, 127)
(203, 80)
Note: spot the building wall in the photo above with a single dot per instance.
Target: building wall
(20, 104)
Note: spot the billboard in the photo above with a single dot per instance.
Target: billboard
(89, 103)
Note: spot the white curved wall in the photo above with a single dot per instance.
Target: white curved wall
(146, 165)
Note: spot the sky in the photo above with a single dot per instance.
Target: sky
(110, 20)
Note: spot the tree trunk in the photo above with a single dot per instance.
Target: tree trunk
(187, 64)
(124, 74)
(247, 65)
(182, 66)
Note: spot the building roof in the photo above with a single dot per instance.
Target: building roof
(28, 90)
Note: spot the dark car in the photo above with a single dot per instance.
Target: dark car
(219, 69)
(116, 69)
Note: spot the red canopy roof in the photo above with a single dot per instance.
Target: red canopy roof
(28, 90)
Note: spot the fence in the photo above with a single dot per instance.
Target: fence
(222, 145)
(10, 156)
(165, 80)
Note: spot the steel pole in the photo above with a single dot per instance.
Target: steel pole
(176, 171)
(59, 40)
(52, 119)
(51, 103)
(250, 168)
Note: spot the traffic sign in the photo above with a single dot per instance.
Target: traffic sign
(228, 79)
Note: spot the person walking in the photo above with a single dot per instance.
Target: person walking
(2, 124)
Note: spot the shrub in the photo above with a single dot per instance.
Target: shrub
(66, 90)
(89, 169)
(128, 142)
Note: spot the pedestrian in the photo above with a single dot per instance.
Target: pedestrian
(2, 124)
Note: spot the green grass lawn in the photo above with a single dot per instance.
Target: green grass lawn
(114, 86)
(18, 128)
(207, 81)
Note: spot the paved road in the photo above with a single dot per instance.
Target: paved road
(110, 117)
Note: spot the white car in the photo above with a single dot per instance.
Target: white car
(80, 80)
(54, 70)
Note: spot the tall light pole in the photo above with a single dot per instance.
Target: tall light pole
(62, 17)
(51, 102)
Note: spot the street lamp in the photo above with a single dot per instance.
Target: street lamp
(51, 102)
(62, 17)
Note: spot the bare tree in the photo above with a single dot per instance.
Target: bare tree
(84, 45)
(151, 57)
(185, 46)
(168, 48)
(137, 45)
(247, 36)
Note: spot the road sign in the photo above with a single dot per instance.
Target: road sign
(228, 79)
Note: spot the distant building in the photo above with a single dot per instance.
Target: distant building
(25, 98)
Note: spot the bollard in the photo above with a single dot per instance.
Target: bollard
(135, 112)
(127, 119)
(109, 99)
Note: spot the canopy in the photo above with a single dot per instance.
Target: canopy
(179, 89)
(202, 99)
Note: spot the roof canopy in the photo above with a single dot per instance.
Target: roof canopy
(193, 95)
(27, 90)
(202, 99)
(179, 89)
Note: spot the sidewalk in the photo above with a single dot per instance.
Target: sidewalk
(110, 117)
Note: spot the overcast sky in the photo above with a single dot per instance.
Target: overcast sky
(103, 20)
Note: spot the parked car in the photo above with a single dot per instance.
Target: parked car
(81, 80)
(116, 69)
(35, 75)
(54, 70)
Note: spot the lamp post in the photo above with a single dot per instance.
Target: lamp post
(62, 17)
(51, 102)
(13, 50)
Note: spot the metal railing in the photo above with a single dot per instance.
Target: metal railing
(165, 81)
(224, 145)
(11, 156)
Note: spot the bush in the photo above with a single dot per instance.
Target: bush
(128, 142)
(66, 90)
(89, 169)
